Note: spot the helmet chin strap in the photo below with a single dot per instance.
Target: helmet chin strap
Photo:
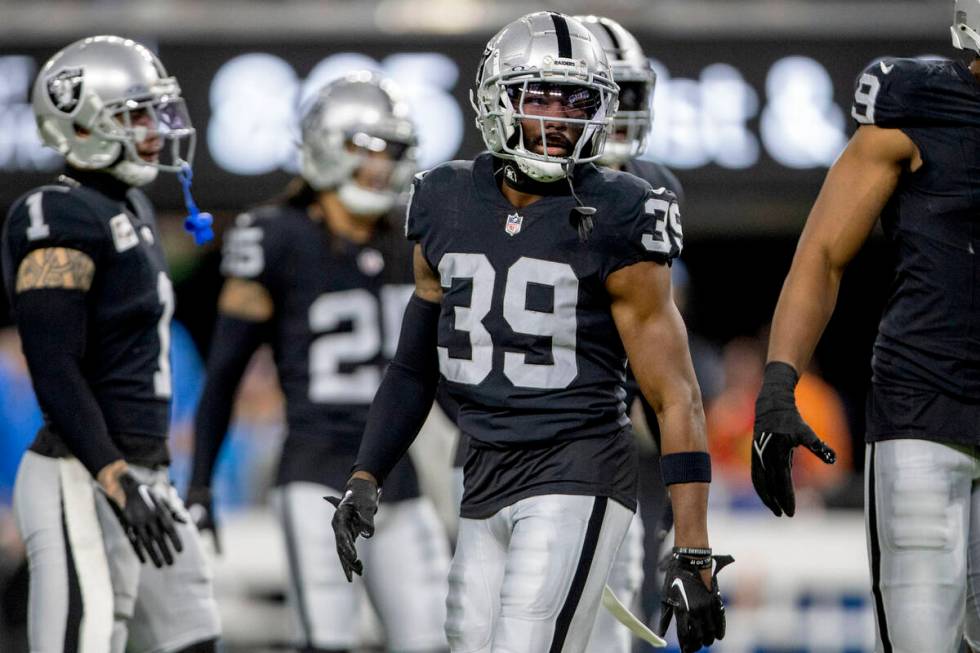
(133, 174)
(581, 216)
(362, 201)
(543, 171)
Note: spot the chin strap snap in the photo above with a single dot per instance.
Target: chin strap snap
(581, 216)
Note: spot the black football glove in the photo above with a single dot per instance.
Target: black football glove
(200, 506)
(148, 521)
(699, 611)
(778, 430)
(354, 516)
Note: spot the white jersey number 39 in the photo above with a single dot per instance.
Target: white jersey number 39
(560, 323)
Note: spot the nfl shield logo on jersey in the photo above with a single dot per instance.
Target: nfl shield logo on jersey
(513, 226)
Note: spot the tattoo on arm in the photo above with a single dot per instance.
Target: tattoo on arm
(55, 267)
(245, 300)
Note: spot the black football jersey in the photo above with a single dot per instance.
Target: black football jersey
(127, 359)
(337, 315)
(527, 343)
(657, 175)
(929, 336)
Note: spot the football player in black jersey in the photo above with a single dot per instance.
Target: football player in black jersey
(324, 278)
(627, 141)
(536, 273)
(915, 162)
(88, 284)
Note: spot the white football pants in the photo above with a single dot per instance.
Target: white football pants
(529, 578)
(922, 513)
(406, 565)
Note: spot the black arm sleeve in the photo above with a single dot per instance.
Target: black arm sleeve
(233, 344)
(404, 399)
(52, 324)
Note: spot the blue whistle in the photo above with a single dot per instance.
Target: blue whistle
(196, 223)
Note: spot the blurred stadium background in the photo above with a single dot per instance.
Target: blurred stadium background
(752, 105)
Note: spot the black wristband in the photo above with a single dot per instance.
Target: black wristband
(695, 559)
(780, 374)
(692, 551)
(695, 564)
(686, 467)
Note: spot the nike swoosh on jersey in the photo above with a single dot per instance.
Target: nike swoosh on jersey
(885, 68)
(677, 582)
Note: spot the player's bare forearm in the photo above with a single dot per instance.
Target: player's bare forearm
(427, 284)
(690, 505)
(855, 191)
(805, 305)
(246, 300)
(655, 339)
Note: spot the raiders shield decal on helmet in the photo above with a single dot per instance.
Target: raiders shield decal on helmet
(65, 89)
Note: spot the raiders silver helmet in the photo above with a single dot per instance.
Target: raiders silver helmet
(352, 119)
(98, 99)
(542, 69)
(634, 75)
(966, 25)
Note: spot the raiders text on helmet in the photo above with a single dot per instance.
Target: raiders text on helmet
(549, 55)
(96, 99)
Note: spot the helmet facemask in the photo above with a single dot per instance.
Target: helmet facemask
(579, 101)
(633, 119)
(155, 133)
(632, 72)
(379, 171)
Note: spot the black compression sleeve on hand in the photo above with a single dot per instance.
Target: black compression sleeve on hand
(404, 399)
(52, 324)
(232, 346)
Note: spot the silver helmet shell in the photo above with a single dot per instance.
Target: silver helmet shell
(86, 99)
(352, 116)
(550, 48)
(966, 25)
(634, 74)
